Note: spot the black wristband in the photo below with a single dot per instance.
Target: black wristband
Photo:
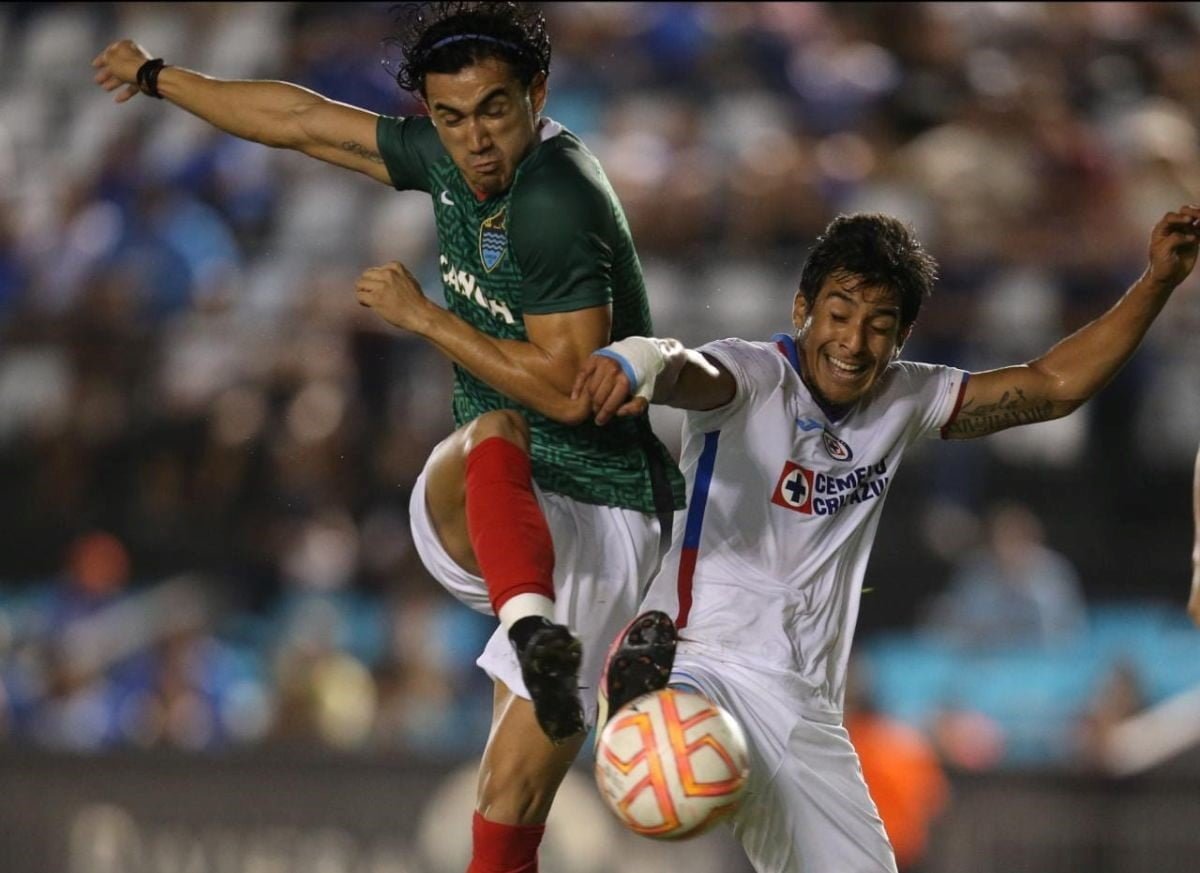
(147, 77)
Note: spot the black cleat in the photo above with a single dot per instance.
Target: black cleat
(639, 661)
(549, 656)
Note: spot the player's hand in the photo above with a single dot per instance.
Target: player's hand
(604, 384)
(117, 66)
(395, 295)
(1173, 246)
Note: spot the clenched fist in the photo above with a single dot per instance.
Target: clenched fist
(395, 295)
(1173, 246)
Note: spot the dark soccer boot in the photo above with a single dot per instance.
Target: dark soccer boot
(639, 661)
(549, 656)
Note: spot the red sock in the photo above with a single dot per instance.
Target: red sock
(502, 848)
(505, 523)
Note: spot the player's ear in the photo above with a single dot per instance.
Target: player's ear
(538, 88)
(799, 311)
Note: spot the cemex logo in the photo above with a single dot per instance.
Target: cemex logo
(795, 489)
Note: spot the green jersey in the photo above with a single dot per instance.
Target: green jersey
(555, 241)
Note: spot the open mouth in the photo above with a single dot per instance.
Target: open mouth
(845, 370)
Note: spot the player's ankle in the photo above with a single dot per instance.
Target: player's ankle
(527, 604)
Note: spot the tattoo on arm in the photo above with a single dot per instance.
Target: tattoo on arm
(1010, 410)
(362, 151)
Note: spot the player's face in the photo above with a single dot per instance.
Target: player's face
(486, 120)
(848, 338)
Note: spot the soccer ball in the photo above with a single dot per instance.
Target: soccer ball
(671, 764)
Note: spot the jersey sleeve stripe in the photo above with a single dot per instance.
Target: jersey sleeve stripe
(962, 393)
(695, 523)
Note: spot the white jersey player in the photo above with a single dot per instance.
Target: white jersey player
(789, 450)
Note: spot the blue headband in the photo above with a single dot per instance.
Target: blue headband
(445, 41)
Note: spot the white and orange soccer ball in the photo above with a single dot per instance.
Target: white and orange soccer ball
(671, 764)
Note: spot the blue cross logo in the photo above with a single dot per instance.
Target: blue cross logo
(795, 488)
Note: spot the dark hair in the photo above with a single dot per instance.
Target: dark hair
(879, 250)
(446, 37)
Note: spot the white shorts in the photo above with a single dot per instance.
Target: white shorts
(604, 559)
(807, 808)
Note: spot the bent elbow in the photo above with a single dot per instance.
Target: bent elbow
(295, 127)
(287, 129)
(1064, 407)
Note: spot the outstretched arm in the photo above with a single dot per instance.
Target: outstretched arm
(1061, 380)
(1194, 600)
(276, 114)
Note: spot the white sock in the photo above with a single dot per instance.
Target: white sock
(516, 608)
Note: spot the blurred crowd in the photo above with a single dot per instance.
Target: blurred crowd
(207, 448)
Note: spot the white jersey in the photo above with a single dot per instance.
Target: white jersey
(766, 563)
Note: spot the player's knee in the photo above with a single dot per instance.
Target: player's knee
(507, 424)
(511, 792)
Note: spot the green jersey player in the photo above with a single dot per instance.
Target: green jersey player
(528, 509)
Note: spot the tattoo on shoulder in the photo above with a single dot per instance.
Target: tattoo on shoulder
(1012, 409)
(362, 151)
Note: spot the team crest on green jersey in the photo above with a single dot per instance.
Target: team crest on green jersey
(493, 239)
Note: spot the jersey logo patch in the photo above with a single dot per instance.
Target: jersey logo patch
(493, 239)
(837, 449)
(795, 489)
